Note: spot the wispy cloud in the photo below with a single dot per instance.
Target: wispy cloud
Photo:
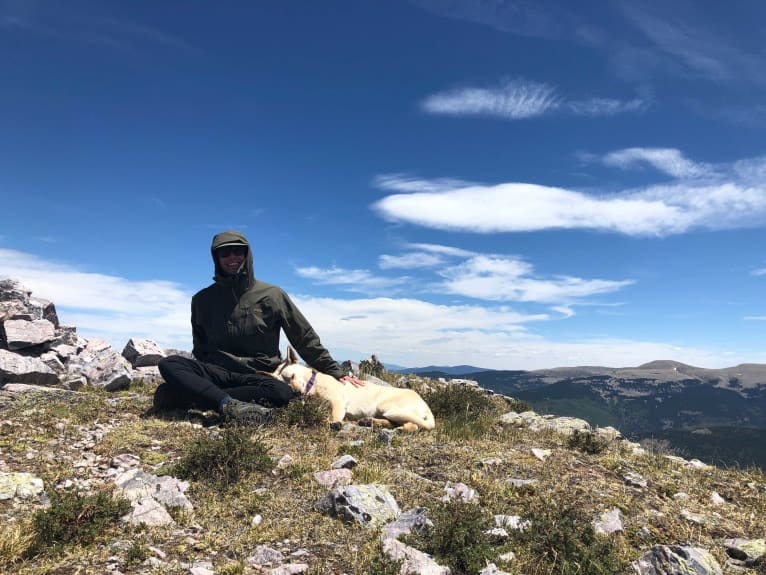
(521, 99)
(105, 306)
(90, 24)
(758, 272)
(680, 32)
(406, 331)
(412, 332)
(361, 281)
(521, 17)
(513, 101)
(668, 160)
(497, 278)
(700, 197)
(487, 277)
(413, 260)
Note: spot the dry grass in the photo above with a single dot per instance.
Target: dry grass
(37, 434)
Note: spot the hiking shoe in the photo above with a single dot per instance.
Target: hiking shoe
(245, 413)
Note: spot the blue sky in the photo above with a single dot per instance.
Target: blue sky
(507, 184)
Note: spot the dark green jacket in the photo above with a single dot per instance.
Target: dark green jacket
(236, 321)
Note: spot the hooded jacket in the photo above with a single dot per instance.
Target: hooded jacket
(236, 321)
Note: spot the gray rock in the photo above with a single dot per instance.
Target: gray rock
(492, 569)
(135, 484)
(148, 511)
(20, 485)
(746, 551)
(102, 366)
(460, 492)
(19, 369)
(634, 479)
(345, 462)
(21, 334)
(368, 505)
(410, 520)
(677, 560)
(289, 569)
(142, 352)
(333, 477)
(609, 522)
(414, 562)
(265, 555)
(29, 388)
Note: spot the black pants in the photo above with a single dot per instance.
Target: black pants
(192, 383)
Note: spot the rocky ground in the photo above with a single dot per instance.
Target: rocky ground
(517, 487)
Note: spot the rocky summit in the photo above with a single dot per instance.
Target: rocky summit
(93, 481)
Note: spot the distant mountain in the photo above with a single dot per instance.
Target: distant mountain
(698, 410)
(441, 370)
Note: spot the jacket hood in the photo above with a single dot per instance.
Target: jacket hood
(245, 277)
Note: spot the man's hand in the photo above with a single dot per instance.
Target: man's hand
(353, 381)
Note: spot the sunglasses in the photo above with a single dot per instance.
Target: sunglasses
(231, 251)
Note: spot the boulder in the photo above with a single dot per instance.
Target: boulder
(142, 352)
(369, 505)
(677, 560)
(102, 366)
(15, 368)
(20, 334)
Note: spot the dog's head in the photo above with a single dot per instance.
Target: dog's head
(296, 376)
(290, 359)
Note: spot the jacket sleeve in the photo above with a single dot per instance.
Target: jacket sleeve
(199, 337)
(306, 341)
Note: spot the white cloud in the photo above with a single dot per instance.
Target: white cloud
(444, 250)
(516, 207)
(605, 106)
(105, 306)
(758, 272)
(412, 260)
(701, 197)
(668, 160)
(353, 280)
(498, 278)
(416, 333)
(514, 100)
(755, 318)
(520, 99)
(405, 331)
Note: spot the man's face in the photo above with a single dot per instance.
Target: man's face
(230, 258)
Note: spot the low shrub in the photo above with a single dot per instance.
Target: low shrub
(74, 519)
(462, 412)
(587, 442)
(223, 458)
(457, 538)
(305, 411)
(560, 539)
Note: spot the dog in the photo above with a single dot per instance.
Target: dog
(371, 403)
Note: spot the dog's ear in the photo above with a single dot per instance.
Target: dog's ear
(292, 357)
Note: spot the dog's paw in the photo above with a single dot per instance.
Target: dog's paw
(336, 425)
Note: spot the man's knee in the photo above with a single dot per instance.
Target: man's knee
(282, 394)
(168, 365)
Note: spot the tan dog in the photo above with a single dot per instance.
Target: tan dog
(377, 404)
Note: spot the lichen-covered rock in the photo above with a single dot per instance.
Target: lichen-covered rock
(746, 550)
(20, 484)
(677, 560)
(369, 505)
